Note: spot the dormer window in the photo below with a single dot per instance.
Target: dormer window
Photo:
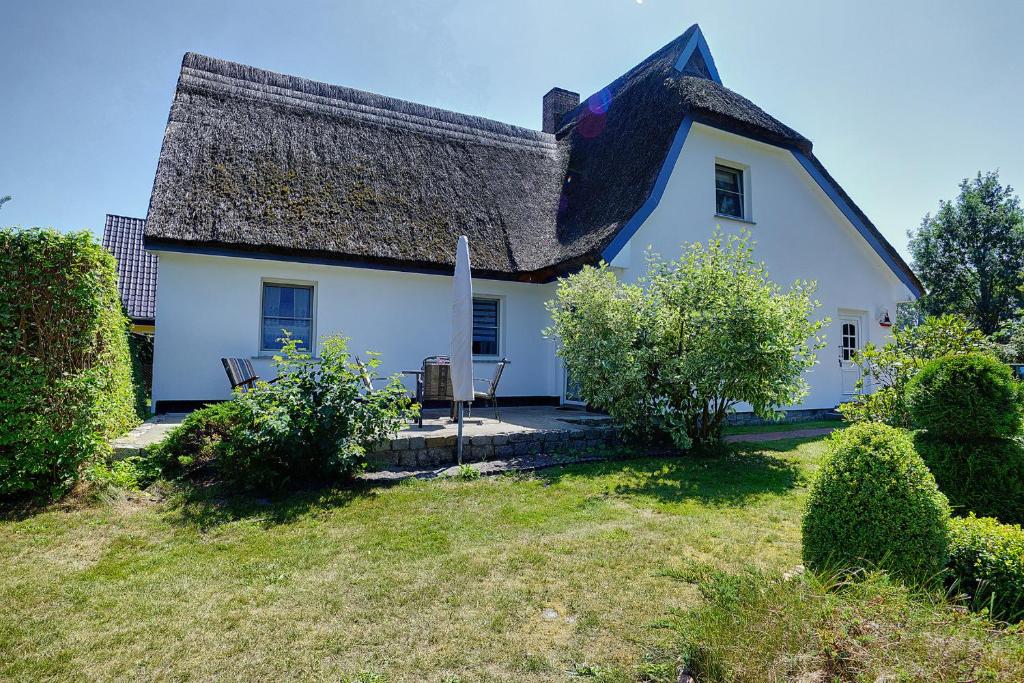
(729, 191)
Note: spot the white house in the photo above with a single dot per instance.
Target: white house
(286, 203)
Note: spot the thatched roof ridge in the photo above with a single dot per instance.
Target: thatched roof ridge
(259, 161)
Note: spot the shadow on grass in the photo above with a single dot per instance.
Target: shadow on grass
(205, 506)
(728, 478)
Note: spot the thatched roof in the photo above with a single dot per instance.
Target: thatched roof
(258, 161)
(136, 268)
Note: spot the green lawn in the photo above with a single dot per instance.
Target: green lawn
(569, 571)
(438, 580)
(783, 427)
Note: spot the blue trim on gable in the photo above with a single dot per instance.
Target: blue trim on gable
(633, 224)
(856, 221)
(697, 42)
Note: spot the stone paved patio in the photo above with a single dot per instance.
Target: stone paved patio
(523, 431)
(150, 432)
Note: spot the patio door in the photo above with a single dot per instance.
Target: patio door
(850, 341)
(571, 391)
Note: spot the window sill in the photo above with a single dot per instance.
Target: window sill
(734, 219)
(486, 359)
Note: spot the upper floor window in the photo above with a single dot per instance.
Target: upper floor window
(486, 321)
(286, 307)
(728, 191)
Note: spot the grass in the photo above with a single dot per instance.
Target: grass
(569, 572)
(812, 628)
(783, 427)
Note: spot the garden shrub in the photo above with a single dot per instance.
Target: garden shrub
(675, 353)
(65, 369)
(315, 423)
(202, 436)
(889, 368)
(875, 505)
(987, 562)
(984, 476)
(970, 396)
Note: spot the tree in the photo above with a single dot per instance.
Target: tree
(676, 352)
(970, 255)
(6, 198)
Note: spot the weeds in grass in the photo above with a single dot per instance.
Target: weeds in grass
(466, 473)
(754, 627)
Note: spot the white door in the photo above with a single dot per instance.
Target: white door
(849, 342)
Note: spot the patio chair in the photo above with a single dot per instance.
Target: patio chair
(490, 394)
(241, 373)
(434, 383)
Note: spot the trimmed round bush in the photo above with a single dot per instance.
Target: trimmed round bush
(875, 504)
(984, 476)
(970, 396)
(986, 561)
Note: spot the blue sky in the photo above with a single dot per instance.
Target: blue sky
(901, 99)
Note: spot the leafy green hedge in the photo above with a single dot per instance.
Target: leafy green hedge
(987, 562)
(875, 504)
(66, 369)
(983, 476)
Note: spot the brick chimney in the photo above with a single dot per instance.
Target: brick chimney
(558, 103)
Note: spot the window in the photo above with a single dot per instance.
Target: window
(485, 327)
(728, 191)
(849, 340)
(286, 307)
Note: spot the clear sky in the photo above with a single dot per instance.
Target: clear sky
(901, 98)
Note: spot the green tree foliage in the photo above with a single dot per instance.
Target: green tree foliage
(875, 504)
(676, 352)
(987, 562)
(65, 369)
(970, 255)
(888, 369)
(6, 198)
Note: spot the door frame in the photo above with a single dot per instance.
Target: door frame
(848, 367)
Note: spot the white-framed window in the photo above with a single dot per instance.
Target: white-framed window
(729, 192)
(486, 326)
(286, 306)
(850, 339)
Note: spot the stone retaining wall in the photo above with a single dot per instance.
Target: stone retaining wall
(420, 451)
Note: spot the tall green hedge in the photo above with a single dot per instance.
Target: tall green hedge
(65, 370)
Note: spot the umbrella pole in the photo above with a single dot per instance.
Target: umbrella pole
(459, 440)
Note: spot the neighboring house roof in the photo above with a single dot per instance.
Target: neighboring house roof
(136, 269)
(265, 163)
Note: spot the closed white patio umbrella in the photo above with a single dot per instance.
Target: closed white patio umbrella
(462, 334)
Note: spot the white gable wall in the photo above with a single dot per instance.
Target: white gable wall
(799, 234)
(208, 307)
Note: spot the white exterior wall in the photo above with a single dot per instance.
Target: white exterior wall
(800, 234)
(208, 307)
